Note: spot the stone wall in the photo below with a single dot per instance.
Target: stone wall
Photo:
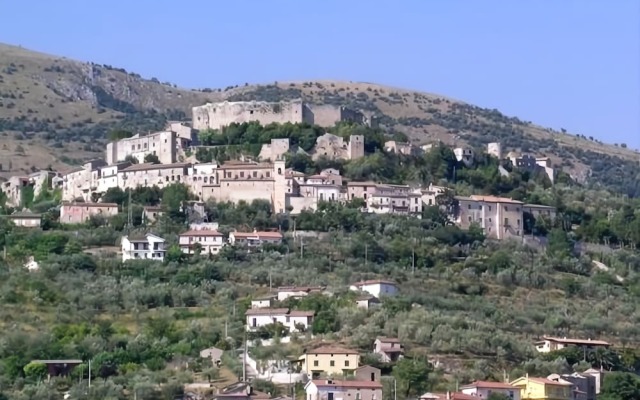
(218, 115)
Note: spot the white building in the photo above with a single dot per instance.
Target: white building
(25, 219)
(376, 287)
(284, 292)
(138, 247)
(483, 389)
(263, 302)
(210, 242)
(255, 238)
(294, 320)
(331, 389)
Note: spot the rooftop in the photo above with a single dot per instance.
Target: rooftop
(267, 311)
(375, 282)
(76, 204)
(24, 215)
(488, 385)
(201, 233)
(274, 235)
(495, 199)
(150, 166)
(332, 350)
(576, 341)
(348, 384)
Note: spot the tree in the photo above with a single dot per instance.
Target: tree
(620, 386)
(131, 159)
(151, 158)
(36, 371)
(412, 376)
(173, 198)
(559, 244)
(498, 396)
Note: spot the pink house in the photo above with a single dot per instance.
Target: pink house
(77, 213)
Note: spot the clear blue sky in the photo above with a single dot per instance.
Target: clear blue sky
(573, 64)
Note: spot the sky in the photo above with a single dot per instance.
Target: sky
(572, 64)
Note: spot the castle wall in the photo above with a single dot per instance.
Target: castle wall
(218, 115)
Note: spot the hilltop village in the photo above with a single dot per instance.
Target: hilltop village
(127, 166)
(238, 240)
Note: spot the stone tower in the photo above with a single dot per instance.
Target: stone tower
(356, 147)
(279, 186)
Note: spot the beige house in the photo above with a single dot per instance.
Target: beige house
(209, 242)
(394, 199)
(540, 211)
(367, 373)
(296, 292)
(499, 217)
(330, 389)
(25, 219)
(77, 213)
(549, 344)
(293, 320)
(152, 213)
(148, 174)
(329, 361)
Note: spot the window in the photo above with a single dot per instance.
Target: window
(145, 145)
(332, 363)
(469, 206)
(288, 318)
(315, 363)
(470, 219)
(518, 223)
(346, 363)
(255, 174)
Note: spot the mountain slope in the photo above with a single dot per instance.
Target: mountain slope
(60, 107)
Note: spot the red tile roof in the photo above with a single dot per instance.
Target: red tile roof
(348, 384)
(267, 311)
(451, 396)
(488, 385)
(332, 350)
(301, 313)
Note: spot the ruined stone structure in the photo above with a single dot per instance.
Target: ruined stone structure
(495, 149)
(277, 149)
(335, 147)
(218, 115)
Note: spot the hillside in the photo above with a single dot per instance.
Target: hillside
(62, 109)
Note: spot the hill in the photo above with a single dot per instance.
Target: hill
(60, 107)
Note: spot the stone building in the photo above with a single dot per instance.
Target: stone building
(405, 148)
(160, 175)
(530, 163)
(77, 213)
(219, 115)
(79, 183)
(247, 181)
(167, 145)
(495, 149)
(335, 147)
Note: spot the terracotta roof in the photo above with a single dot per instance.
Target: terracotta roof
(267, 311)
(488, 385)
(202, 232)
(89, 205)
(494, 199)
(273, 235)
(348, 384)
(576, 341)
(332, 350)
(374, 282)
(241, 165)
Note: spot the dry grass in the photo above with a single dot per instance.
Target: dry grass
(62, 91)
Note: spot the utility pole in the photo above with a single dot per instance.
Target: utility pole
(301, 247)
(270, 280)
(366, 254)
(89, 373)
(395, 389)
(413, 257)
(244, 359)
